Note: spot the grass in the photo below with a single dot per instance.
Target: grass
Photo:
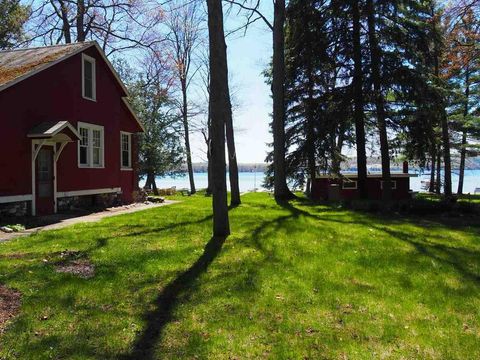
(293, 282)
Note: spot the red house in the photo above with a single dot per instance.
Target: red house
(66, 131)
(326, 187)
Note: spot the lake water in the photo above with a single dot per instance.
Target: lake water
(252, 180)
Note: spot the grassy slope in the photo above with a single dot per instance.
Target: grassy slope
(298, 281)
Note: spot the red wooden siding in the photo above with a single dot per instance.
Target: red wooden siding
(55, 94)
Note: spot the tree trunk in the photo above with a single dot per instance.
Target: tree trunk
(65, 22)
(232, 162)
(358, 100)
(220, 110)
(281, 190)
(431, 187)
(150, 183)
(463, 150)
(438, 182)
(446, 156)
(379, 102)
(80, 21)
(444, 125)
(187, 136)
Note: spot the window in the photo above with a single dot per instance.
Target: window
(88, 78)
(126, 150)
(90, 146)
(393, 182)
(349, 185)
(83, 147)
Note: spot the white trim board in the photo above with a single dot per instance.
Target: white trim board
(15, 198)
(88, 192)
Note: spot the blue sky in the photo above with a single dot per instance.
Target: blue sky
(248, 56)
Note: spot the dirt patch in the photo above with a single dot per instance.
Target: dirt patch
(75, 262)
(82, 268)
(9, 305)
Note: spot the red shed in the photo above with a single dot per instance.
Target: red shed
(327, 187)
(67, 131)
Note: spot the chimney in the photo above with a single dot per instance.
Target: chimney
(405, 167)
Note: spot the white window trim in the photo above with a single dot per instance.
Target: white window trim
(393, 182)
(130, 167)
(349, 188)
(94, 77)
(91, 127)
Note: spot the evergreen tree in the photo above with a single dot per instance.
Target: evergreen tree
(12, 18)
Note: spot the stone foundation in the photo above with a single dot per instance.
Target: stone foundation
(88, 202)
(20, 208)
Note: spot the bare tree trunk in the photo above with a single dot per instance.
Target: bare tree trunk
(379, 102)
(358, 99)
(187, 136)
(431, 187)
(463, 155)
(220, 110)
(438, 182)
(446, 156)
(281, 190)
(65, 22)
(463, 150)
(150, 183)
(232, 162)
(80, 19)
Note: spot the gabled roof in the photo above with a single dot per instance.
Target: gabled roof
(20, 64)
(48, 130)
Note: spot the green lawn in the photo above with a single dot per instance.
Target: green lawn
(298, 281)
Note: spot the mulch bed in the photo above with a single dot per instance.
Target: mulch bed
(9, 305)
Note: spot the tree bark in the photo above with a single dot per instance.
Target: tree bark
(379, 102)
(281, 190)
(150, 183)
(431, 187)
(444, 124)
(463, 150)
(65, 22)
(220, 110)
(80, 20)
(438, 182)
(358, 100)
(232, 162)
(187, 135)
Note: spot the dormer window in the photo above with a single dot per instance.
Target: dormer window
(88, 78)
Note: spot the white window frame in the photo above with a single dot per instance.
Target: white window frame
(90, 128)
(122, 133)
(393, 182)
(349, 181)
(86, 58)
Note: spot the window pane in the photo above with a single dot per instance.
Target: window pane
(96, 138)
(83, 155)
(125, 159)
(84, 137)
(88, 79)
(96, 156)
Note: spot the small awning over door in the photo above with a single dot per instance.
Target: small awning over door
(60, 131)
(55, 135)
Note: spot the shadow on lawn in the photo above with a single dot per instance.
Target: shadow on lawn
(144, 347)
(454, 256)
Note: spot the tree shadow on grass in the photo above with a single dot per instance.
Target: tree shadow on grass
(144, 347)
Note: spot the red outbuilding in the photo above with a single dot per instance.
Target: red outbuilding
(66, 131)
(334, 188)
